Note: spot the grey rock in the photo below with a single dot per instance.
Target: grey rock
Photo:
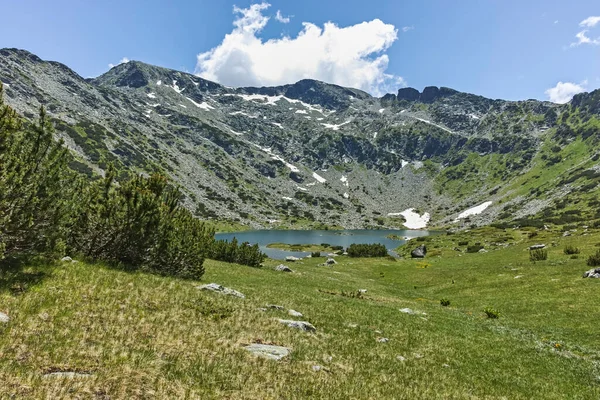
(283, 268)
(67, 259)
(292, 259)
(419, 252)
(567, 233)
(4, 318)
(271, 352)
(537, 246)
(302, 325)
(400, 358)
(295, 313)
(592, 273)
(362, 290)
(215, 287)
(411, 311)
(383, 340)
(317, 368)
(330, 261)
(68, 375)
(275, 307)
(482, 251)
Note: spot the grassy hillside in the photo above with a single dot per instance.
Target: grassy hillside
(145, 336)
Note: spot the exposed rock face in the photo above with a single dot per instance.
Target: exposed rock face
(537, 246)
(419, 252)
(409, 94)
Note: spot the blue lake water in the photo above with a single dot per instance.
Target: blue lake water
(335, 238)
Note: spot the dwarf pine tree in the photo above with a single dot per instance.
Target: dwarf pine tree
(34, 185)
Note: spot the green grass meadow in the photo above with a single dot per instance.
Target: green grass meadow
(143, 336)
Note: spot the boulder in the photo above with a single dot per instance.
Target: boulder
(302, 325)
(537, 246)
(383, 340)
(330, 261)
(409, 94)
(283, 268)
(4, 318)
(291, 259)
(271, 352)
(419, 252)
(215, 287)
(67, 259)
(411, 311)
(592, 273)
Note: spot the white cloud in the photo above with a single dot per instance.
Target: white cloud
(590, 22)
(122, 61)
(563, 92)
(407, 28)
(281, 18)
(351, 56)
(582, 38)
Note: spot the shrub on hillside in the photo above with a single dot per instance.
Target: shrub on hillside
(367, 250)
(35, 191)
(463, 243)
(570, 249)
(538, 255)
(474, 248)
(491, 313)
(444, 302)
(233, 252)
(315, 254)
(594, 259)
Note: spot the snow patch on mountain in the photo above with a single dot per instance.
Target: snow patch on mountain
(473, 211)
(319, 178)
(413, 219)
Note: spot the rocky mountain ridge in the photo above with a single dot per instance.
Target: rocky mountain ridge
(304, 154)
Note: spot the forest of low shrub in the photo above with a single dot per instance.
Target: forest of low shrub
(47, 209)
(367, 250)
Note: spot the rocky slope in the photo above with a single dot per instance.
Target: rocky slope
(309, 153)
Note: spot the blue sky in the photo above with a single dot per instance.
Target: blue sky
(500, 49)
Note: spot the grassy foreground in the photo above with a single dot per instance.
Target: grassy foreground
(144, 336)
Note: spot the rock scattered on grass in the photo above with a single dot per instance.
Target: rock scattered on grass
(419, 252)
(4, 318)
(537, 246)
(271, 352)
(295, 313)
(283, 268)
(383, 340)
(330, 261)
(445, 365)
(592, 273)
(215, 287)
(302, 325)
(353, 325)
(275, 307)
(67, 259)
(292, 259)
(400, 358)
(362, 290)
(411, 311)
(518, 276)
(317, 368)
(67, 375)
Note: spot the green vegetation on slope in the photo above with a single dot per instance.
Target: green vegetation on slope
(143, 336)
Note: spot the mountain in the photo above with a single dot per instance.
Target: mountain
(313, 154)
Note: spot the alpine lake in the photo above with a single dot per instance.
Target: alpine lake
(279, 244)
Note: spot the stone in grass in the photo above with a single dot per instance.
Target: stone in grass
(295, 313)
(283, 268)
(269, 351)
(330, 261)
(67, 375)
(383, 340)
(419, 252)
(67, 259)
(4, 318)
(537, 246)
(275, 307)
(317, 368)
(400, 358)
(592, 273)
(215, 287)
(292, 259)
(411, 312)
(302, 325)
